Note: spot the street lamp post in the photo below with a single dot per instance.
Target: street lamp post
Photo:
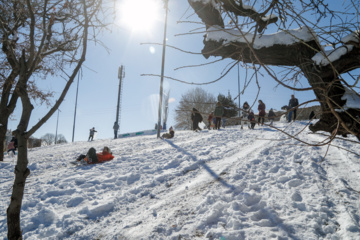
(162, 69)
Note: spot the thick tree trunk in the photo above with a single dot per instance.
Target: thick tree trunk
(329, 91)
(21, 173)
(2, 140)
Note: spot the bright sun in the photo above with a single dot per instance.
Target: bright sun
(139, 15)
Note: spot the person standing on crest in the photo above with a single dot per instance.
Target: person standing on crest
(245, 114)
(92, 133)
(262, 113)
(218, 113)
(116, 129)
(293, 103)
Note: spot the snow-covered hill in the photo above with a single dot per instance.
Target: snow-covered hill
(226, 184)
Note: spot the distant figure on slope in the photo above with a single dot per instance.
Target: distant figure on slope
(312, 115)
(11, 148)
(251, 118)
(170, 134)
(92, 157)
(196, 118)
(116, 129)
(262, 113)
(92, 133)
(210, 119)
(293, 103)
(271, 116)
(245, 114)
(218, 113)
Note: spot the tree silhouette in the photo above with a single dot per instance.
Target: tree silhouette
(39, 39)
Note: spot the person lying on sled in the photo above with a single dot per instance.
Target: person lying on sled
(92, 157)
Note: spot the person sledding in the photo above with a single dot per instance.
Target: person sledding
(92, 157)
(170, 134)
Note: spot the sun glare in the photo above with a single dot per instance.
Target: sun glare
(139, 15)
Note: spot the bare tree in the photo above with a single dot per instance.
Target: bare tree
(48, 139)
(312, 41)
(39, 38)
(197, 98)
(61, 139)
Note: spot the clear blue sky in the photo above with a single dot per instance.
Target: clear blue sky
(98, 89)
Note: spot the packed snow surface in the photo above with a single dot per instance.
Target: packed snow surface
(225, 184)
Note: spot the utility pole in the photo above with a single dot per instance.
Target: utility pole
(162, 69)
(121, 75)
(57, 123)
(239, 87)
(77, 93)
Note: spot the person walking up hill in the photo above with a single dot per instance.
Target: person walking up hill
(218, 113)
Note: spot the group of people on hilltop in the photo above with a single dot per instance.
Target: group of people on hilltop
(292, 107)
(248, 116)
(214, 118)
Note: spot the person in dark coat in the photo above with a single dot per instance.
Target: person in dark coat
(262, 112)
(293, 103)
(271, 116)
(218, 113)
(196, 118)
(15, 141)
(251, 118)
(116, 129)
(312, 115)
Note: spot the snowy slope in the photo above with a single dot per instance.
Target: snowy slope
(226, 184)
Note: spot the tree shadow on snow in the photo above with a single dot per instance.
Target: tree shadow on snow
(204, 165)
(267, 129)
